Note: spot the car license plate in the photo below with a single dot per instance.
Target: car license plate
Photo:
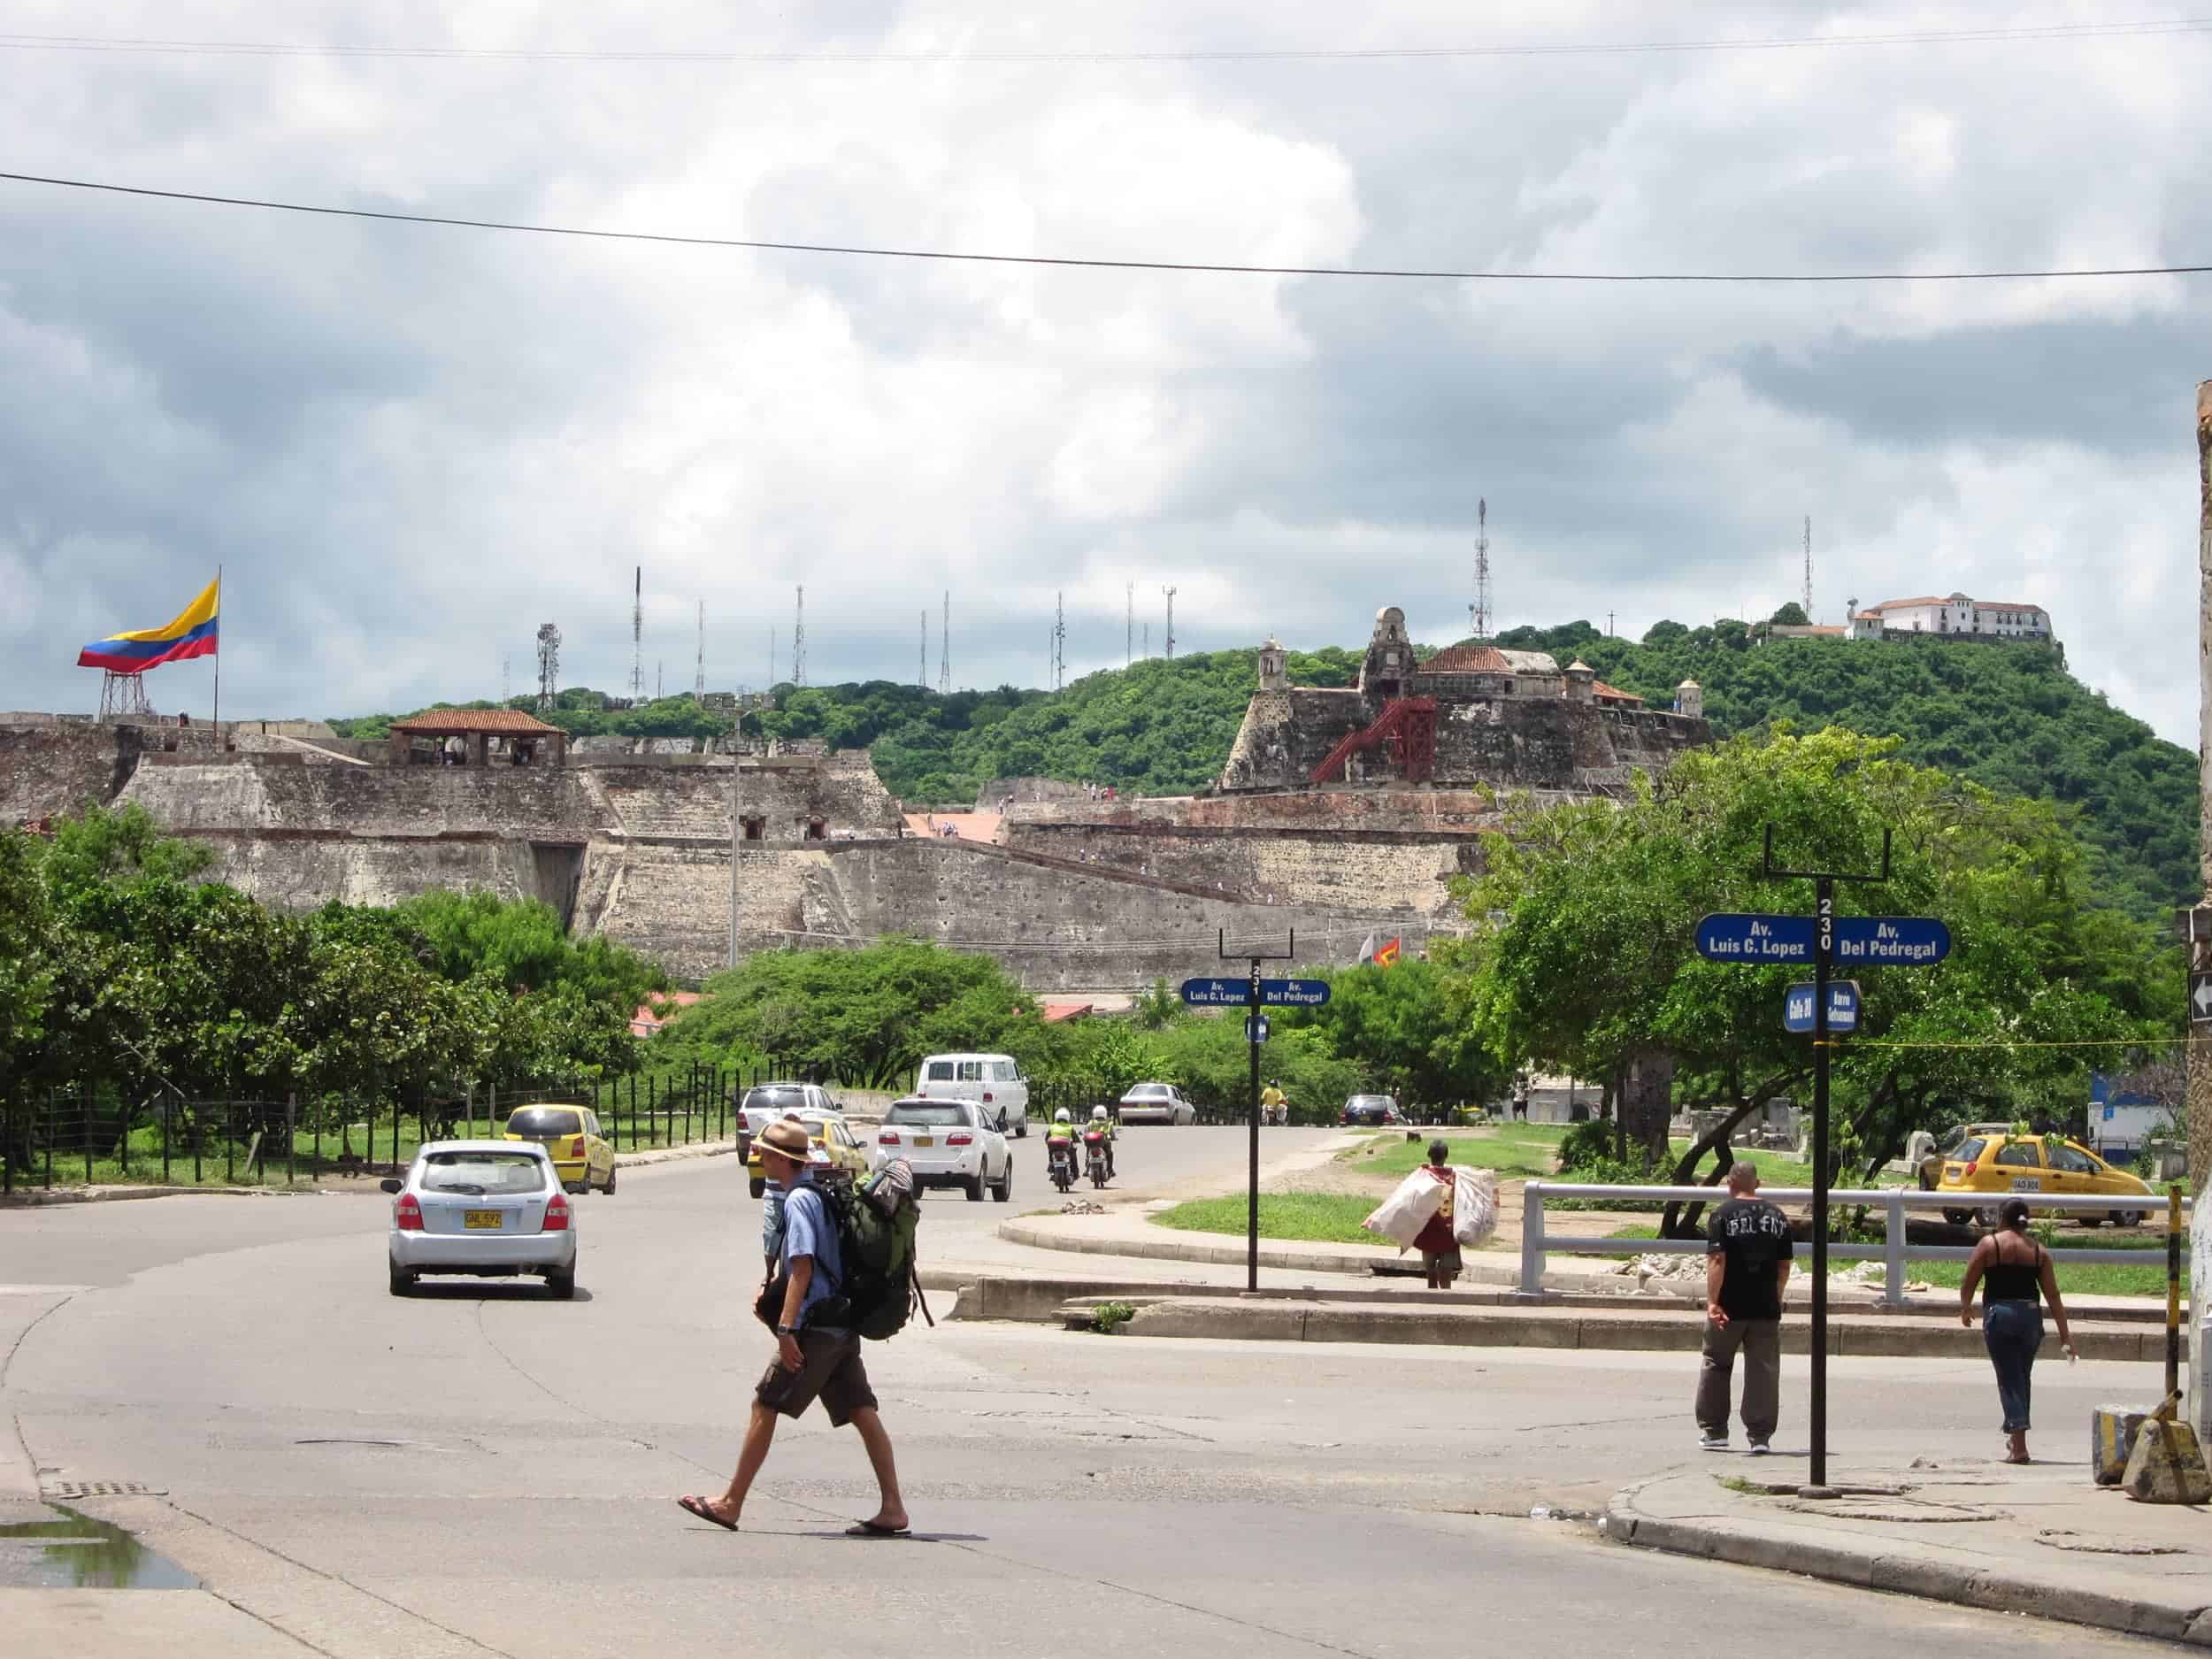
(924, 1141)
(2027, 1183)
(486, 1219)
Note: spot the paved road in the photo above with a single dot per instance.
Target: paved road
(480, 1469)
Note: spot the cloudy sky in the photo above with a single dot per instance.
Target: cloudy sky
(409, 445)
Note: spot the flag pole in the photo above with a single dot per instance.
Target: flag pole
(217, 721)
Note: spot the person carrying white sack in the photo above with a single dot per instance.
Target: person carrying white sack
(1436, 1210)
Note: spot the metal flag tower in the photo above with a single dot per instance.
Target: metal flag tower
(1479, 618)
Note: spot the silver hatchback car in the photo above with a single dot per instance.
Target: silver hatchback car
(493, 1208)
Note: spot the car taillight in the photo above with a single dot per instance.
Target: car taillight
(959, 1141)
(577, 1150)
(887, 1137)
(1971, 1168)
(987, 1097)
(556, 1215)
(407, 1214)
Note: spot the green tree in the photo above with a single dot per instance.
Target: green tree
(1790, 615)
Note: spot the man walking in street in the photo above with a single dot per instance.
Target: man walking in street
(812, 1360)
(1747, 1252)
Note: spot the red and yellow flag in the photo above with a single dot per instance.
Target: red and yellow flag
(1386, 955)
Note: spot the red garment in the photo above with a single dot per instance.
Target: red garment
(1435, 1236)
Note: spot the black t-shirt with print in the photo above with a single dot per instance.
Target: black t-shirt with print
(1751, 1236)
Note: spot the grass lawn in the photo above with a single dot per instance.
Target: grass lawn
(2091, 1278)
(1516, 1151)
(1317, 1218)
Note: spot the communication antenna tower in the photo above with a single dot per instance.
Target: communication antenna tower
(1170, 592)
(1129, 647)
(637, 638)
(1059, 641)
(944, 649)
(506, 676)
(1809, 567)
(1479, 616)
(699, 675)
(798, 642)
(1144, 634)
(549, 666)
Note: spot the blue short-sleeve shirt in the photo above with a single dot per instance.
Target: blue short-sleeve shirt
(808, 1229)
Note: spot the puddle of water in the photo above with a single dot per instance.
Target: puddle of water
(76, 1551)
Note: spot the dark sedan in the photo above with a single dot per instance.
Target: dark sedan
(1377, 1110)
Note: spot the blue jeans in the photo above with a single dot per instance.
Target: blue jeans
(2012, 1331)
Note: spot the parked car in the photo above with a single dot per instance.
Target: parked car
(765, 1103)
(835, 1147)
(1378, 1110)
(1155, 1103)
(1991, 1165)
(993, 1081)
(569, 1134)
(493, 1208)
(947, 1143)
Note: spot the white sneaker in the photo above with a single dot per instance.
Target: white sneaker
(1712, 1442)
(1760, 1449)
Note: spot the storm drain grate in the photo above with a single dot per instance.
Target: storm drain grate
(66, 1490)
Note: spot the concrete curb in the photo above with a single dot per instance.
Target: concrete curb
(1273, 1253)
(1881, 1565)
(32, 1197)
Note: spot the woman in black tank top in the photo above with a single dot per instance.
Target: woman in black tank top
(2015, 1273)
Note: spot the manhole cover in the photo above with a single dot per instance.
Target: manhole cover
(67, 1490)
(2057, 1537)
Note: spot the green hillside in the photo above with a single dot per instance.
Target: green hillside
(2010, 716)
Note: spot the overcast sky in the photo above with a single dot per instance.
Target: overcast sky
(411, 445)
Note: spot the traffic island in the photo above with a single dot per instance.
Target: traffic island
(2041, 1539)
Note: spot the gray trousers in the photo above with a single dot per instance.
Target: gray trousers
(1761, 1340)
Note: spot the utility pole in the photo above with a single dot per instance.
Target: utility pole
(1170, 592)
(1253, 1014)
(1809, 567)
(637, 640)
(1479, 618)
(2199, 1093)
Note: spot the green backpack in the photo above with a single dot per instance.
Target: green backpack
(876, 1223)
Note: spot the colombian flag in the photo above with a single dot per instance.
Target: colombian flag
(191, 634)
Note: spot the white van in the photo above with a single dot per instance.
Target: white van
(993, 1081)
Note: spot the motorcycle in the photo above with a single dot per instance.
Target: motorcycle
(1061, 1163)
(1095, 1156)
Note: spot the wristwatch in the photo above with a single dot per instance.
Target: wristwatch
(787, 1330)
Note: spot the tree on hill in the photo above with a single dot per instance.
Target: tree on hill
(1791, 616)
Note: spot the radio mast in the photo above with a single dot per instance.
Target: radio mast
(798, 642)
(637, 640)
(1170, 592)
(1059, 641)
(1479, 616)
(699, 676)
(1809, 567)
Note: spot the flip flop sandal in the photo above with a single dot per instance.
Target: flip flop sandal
(875, 1529)
(698, 1506)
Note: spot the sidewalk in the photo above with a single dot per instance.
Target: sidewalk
(2038, 1540)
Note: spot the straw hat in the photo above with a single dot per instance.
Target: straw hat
(788, 1137)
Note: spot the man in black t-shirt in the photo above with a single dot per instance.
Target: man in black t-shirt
(1748, 1252)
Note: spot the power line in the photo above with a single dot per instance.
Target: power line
(1999, 34)
(1196, 266)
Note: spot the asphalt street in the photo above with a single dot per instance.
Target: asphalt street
(479, 1469)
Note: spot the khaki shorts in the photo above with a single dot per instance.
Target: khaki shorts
(831, 1371)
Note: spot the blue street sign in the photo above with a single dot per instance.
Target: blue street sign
(1238, 992)
(1256, 1027)
(1843, 1007)
(1760, 941)
(1893, 940)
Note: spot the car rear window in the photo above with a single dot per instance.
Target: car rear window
(483, 1173)
(927, 1113)
(776, 1099)
(547, 1121)
(1147, 1091)
(1370, 1099)
(1968, 1149)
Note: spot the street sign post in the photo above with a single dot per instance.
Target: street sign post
(1843, 1007)
(1211, 993)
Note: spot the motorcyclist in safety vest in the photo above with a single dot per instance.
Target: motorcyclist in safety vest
(1272, 1102)
(1106, 1126)
(1059, 1135)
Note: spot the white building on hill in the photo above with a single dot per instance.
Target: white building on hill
(1956, 616)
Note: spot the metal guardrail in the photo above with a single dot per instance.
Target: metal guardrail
(1894, 1252)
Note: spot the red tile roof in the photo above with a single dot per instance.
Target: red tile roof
(468, 722)
(1614, 694)
(1467, 658)
(1056, 1010)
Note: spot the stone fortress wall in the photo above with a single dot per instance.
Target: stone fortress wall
(1074, 893)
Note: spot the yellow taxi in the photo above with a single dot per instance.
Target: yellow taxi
(835, 1145)
(1999, 1165)
(582, 1157)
